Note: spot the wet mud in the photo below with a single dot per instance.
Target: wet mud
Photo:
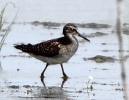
(101, 59)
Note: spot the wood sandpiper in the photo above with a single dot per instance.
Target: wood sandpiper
(55, 51)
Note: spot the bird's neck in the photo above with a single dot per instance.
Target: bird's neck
(71, 37)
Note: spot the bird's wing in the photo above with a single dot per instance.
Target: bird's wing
(48, 48)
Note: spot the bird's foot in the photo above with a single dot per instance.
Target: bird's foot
(42, 77)
(65, 77)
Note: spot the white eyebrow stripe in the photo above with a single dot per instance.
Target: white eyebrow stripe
(72, 27)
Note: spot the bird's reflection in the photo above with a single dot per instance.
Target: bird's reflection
(62, 84)
(52, 91)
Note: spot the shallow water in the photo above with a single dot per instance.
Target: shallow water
(20, 73)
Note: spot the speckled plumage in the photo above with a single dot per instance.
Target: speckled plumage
(55, 51)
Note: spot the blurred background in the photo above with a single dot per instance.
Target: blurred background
(84, 11)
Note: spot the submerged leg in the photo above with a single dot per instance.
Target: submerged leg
(63, 81)
(64, 75)
(42, 74)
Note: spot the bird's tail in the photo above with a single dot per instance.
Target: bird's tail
(25, 48)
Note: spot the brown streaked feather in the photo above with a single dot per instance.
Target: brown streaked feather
(49, 48)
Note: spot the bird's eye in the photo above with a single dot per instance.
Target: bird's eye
(74, 30)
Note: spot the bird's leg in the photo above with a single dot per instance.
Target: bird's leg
(42, 74)
(65, 77)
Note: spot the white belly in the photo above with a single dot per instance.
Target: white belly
(53, 60)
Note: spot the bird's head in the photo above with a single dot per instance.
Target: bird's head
(71, 29)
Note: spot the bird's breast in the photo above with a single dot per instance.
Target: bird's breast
(69, 49)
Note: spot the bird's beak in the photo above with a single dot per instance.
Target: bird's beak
(83, 37)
